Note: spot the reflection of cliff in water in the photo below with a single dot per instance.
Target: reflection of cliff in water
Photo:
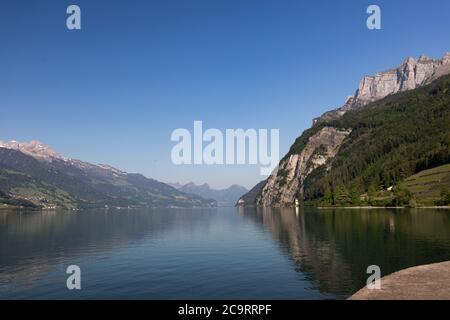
(334, 247)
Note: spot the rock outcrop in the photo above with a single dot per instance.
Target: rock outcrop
(286, 184)
(426, 282)
(410, 75)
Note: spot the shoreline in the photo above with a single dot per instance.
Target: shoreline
(372, 207)
(425, 282)
(8, 207)
(352, 207)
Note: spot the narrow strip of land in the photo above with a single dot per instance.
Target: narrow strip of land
(427, 282)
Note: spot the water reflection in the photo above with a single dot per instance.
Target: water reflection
(206, 254)
(335, 246)
(34, 243)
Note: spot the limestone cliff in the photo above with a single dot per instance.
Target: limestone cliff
(410, 75)
(286, 184)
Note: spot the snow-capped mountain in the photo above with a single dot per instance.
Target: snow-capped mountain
(34, 148)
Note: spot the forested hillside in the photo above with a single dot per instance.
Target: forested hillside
(391, 140)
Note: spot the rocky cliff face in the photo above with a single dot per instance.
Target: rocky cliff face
(285, 185)
(410, 75)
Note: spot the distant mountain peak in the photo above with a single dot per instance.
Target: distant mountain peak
(409, 60)
(34, 148)
(48, 180)
(424, 58)
(175, 185)
(43, 152)
(224, 197)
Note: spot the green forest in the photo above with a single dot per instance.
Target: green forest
(391, 140)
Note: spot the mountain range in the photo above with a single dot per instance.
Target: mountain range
(224, 197)
(375, 149)
(395, 125)
(34, 175)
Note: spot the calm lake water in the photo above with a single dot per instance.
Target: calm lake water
(224, 253)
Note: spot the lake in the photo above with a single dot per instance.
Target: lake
(224, 253)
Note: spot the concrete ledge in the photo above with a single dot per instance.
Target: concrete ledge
(427, 282)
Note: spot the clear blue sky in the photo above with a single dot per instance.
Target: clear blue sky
(114, 91)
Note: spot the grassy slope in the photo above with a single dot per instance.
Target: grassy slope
(26, 181)
(26, 189)
(427, 185)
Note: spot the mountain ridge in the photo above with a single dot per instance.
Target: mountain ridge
(224, 197)
(33, 172)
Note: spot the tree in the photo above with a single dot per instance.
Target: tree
(445, 196)
(327, 198)
(402, 196)
(341, 196)
(386, 145)
(355, 196)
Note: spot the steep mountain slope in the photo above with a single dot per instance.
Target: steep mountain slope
(49, 180)
(287, 185)
(325, 156)
(225, 197)
(391, 140)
